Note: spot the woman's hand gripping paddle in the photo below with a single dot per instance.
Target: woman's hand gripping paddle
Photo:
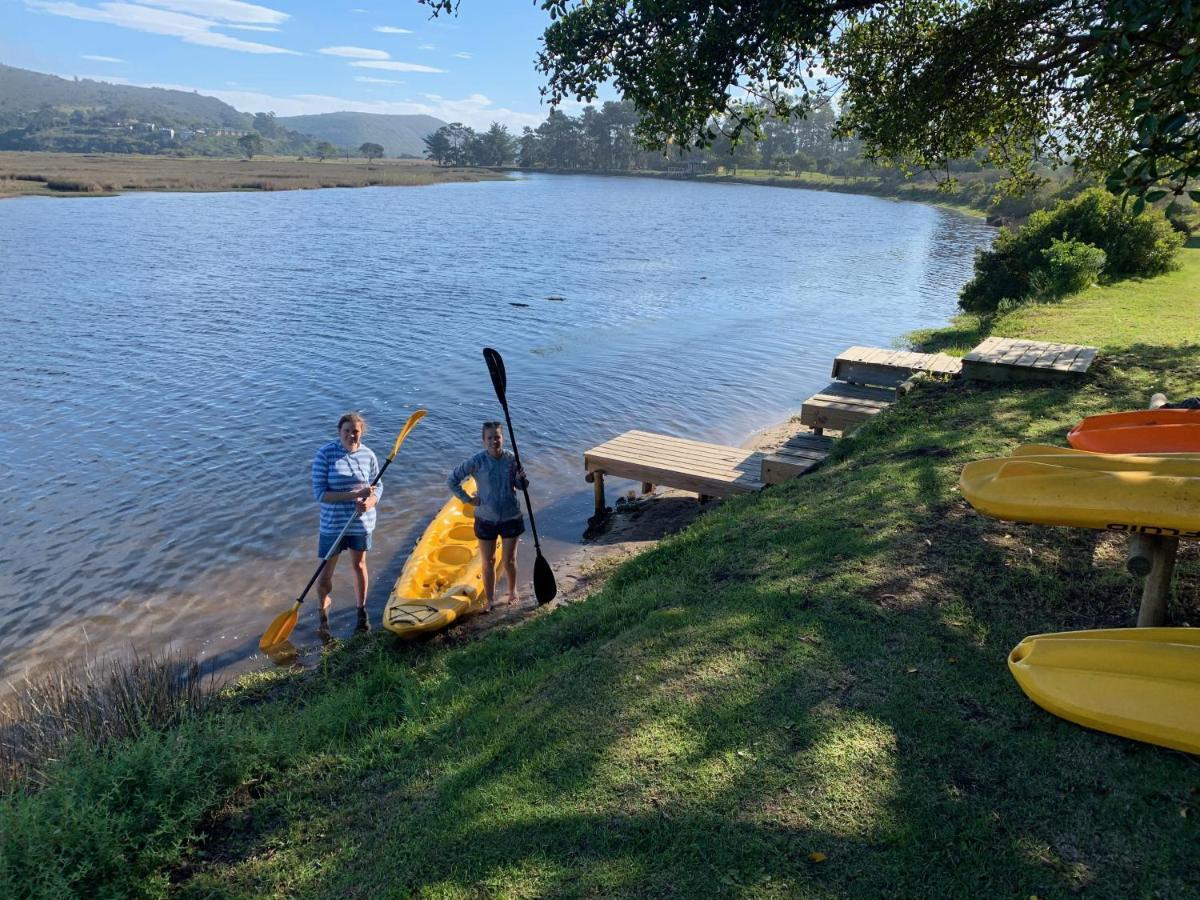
(277, 632)
(544, 586)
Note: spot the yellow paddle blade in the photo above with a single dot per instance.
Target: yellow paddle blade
(280, 629)
(408, 426)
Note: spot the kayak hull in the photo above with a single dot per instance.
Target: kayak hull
(442, 581)
(1143, 431)
(1139, 683)
(1151, 495)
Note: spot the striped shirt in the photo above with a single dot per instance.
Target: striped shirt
(496, 480)
(336, 469)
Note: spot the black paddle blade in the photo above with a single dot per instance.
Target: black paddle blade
(496, 369)
(544, 586)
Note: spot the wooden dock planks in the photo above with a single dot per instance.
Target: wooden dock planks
(874, 365)
(711, 470)
(1009, 359)
(843, 407)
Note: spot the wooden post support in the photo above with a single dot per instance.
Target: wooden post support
(1140, 558)
(1157, 589)
(1153, 556)
(597, 480)
(647, 487)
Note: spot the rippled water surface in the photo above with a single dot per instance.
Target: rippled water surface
(172, 362)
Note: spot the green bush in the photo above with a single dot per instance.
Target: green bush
(1071, 266)
(1132, 245)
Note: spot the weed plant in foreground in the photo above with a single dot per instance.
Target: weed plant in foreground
(96, 704)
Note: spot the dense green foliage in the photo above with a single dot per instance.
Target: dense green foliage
(1022, 260)
(1104, 85)
(821, 707)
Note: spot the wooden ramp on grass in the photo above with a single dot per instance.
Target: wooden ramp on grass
(843, 407)
(1009, 359)
(710, 470)
(889, 368)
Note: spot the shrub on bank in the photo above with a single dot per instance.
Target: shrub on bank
(1022, 262)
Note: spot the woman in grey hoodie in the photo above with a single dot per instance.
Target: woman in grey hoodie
(497, 511)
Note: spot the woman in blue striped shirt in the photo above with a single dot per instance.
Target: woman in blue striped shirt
(342, 472)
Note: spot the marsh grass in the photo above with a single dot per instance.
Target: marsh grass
(73, 174)
(97, 703)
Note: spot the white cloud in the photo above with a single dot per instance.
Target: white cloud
(224, 10)
(365, 79)
(461, 55)
(427, 47)
(395, 66)
(476, 110)
(354, 52)
(109, 59)
(191, 29)
(392, 29)
(250, 27)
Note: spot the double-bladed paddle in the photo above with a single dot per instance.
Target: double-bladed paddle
(544, 586)
(277, 632)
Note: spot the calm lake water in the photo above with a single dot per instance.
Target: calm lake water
(173, 361)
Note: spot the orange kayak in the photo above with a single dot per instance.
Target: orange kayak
(1144, 431)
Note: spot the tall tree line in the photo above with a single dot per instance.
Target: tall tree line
(605, 138)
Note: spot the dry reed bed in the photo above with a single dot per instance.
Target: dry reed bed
(97, 703)
(67, 174)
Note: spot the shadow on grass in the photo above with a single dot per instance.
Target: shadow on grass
(818, 669)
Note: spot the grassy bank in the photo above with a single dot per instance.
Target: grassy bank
(78, 174)
(805, 694)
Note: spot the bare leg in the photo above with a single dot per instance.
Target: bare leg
(508, 559)
(487, 553)
(325, 583)
(358, 559)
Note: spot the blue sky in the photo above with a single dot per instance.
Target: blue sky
(296, 56)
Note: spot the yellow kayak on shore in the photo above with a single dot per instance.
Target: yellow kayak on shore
(442, 581)
(1128, 493)
(1140, 683)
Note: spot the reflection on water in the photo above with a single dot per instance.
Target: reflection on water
(178, 359)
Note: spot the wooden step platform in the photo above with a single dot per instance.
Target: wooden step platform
(873, 365)
(1009, 359)
(843, 407)
(710, 470)
(797, 455)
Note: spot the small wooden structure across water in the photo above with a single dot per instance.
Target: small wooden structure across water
(867, 380)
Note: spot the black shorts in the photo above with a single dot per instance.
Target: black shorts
(509, 528)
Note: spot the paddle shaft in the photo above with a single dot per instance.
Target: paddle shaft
(517, 456)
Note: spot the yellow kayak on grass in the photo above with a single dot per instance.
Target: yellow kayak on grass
(1149, 494)
(443, 579)
(1158, 463)
(1140, 683)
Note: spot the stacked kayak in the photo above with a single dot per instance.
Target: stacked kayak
(1154, 494)
(1144, 431)
(1140, 683)
(443, 579)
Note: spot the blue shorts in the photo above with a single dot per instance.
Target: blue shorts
(509, 528)
(360, 542)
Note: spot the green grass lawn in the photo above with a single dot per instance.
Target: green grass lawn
(805, 694)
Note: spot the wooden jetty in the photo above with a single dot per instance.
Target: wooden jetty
(1008, 359)
(890, 368)
(710, 470)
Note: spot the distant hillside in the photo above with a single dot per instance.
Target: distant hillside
(23, 91)
(398, 135)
